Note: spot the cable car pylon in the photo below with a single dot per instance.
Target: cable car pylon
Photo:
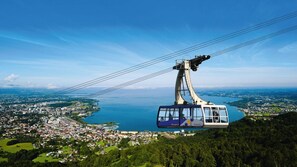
(197, 113)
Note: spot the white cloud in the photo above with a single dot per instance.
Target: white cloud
(291, 48)
(245, 76)
(51, 86)
(24, 39)
(11, 78)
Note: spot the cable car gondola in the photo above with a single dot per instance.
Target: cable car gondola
(199, 113)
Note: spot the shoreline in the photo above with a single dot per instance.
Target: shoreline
(106, 125)
(155, 129)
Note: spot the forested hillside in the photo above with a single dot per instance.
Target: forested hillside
(243, 143)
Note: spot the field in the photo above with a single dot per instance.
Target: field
(4, 141)
(3, 159)
(42, 158)
(16, 147)
(67, 150)
(108, 149)
(100, 143)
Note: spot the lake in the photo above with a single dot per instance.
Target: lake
(137, 110)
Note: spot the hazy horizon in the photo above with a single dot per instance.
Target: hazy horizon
(44, 45)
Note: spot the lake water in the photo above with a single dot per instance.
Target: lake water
(138, 110)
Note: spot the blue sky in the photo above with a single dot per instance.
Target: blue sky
(53, 43)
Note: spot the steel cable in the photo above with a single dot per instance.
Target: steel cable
(178, 53)
(217, 53)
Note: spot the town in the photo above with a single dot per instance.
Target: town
(54, 124)
(60, 119)
(259, 103)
